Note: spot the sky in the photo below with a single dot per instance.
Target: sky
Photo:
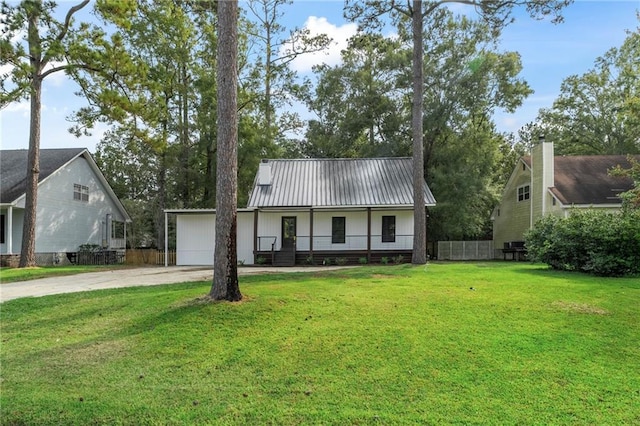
(550, 53)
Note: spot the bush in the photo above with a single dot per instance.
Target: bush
(363, 260)
(341, 261)
(398, 259)
(596, 242)
(384, 260)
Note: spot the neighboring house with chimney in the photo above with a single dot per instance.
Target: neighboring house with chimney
(543, 183)
(314, 210)
(75, 206)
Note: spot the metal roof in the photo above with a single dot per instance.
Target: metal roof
(370, 182)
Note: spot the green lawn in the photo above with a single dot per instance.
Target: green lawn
(449, 343)
(9, 275)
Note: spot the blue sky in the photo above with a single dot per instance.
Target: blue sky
(550, 53)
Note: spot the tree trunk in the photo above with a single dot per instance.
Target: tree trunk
(419, 214)
(225, 267)
(28, 250)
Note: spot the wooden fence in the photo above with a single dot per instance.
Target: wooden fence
(149, 257)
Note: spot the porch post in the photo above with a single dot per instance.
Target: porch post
(166, 239)
(311, 232)
(255, 234)
(368, 234)
(9, 230)
(426, 231)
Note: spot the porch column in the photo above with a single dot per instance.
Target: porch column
(255, 233)
(368, 234)
(8, 232)
(311, 233)
(166, 239)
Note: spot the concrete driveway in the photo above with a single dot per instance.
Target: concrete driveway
(128, 277)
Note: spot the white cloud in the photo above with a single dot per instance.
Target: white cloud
(330, 56)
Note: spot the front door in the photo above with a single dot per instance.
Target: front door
(288, 231)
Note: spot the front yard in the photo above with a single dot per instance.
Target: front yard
(485, 343)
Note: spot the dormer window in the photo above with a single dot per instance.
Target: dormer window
(523, 193)
(80, 192)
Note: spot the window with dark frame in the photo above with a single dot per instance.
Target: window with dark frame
(338, 230)
(80, 192)
(388, 229)
(523, 193)
(2, 222)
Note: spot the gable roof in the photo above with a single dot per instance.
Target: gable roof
(585, 179)
(367, 182)
(13, 171)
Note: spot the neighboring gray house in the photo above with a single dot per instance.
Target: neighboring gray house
(75, 205)
(316, 210)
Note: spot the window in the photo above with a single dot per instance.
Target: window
(388, 229)
(523, 193)
(80, 192)
(2, 228)
(338, 230)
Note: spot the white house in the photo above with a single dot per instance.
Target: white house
(543, 183)
(314, 211)
(75, 205)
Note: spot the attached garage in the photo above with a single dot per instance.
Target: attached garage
(195, 236)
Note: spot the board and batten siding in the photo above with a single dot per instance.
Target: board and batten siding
(62, 223)
(270, 225)
(195, 239)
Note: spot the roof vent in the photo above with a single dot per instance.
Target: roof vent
(264, 174)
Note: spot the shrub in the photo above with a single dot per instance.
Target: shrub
(384, 260)
(597, 242)
(398, 259)
(363, 261)
(261, 260)
(326, 261)
(341, 261)
(309, 260)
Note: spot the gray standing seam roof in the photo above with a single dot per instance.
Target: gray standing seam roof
(338, 183)
(13, 169)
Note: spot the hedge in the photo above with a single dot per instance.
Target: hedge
(597, 242)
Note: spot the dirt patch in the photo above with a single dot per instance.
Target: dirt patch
(579, 308)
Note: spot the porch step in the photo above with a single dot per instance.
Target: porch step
(284, 258)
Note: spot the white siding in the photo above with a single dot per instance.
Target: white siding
(62, 223)
(195, 238)
(270, 223)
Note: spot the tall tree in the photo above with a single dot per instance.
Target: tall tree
(363, 107)
(47, 48)
(225, 268)
(497, 13)
(360, 104)
(273, 54)
(598, 112)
